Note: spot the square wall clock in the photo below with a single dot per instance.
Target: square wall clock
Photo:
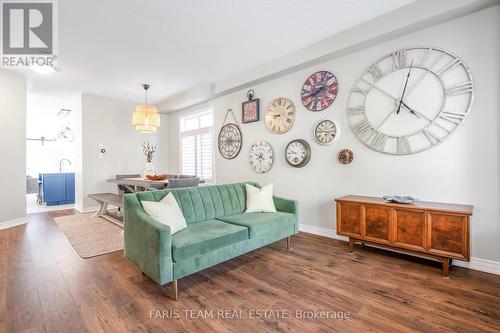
(250, 111)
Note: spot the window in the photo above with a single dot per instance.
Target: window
(196, 145)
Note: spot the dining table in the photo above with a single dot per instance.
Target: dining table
(138, 184)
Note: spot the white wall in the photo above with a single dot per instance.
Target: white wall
(108, 122)
(464, 169)
(43, 120)
(12, 146)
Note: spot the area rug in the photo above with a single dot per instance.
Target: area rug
(91, 236)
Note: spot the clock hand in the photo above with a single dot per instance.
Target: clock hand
(314, 92)
(404, 88)
(411, 110)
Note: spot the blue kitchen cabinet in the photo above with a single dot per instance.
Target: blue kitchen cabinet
(58, 188)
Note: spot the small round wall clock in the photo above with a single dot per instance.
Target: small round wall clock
(260, 156)
(325, 132)
(346, 156)
(280, 115)
(410, 100)
(319, 91)
(230, 138)
(298, 153)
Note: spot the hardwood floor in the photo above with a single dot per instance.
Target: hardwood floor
(46, 287)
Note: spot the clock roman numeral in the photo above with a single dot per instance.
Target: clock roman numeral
(361, 91)
(425, 56)
(362, 127)
(378, 141)
(398, 59)
(355, 110)
(452, 117)
(431, 137)
(459, 89)
(448, 66)
(375, 72)
(403, 145)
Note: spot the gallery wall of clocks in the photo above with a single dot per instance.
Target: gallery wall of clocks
(407, 101)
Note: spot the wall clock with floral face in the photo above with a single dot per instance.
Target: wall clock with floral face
(410, 100)
(280, 115)
(260, 156)
(319, 91)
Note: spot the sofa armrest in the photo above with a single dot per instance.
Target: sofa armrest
(148, 242)
(286, 205)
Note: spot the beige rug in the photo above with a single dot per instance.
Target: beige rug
(91, 237)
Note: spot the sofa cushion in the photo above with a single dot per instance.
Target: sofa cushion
(260, 224)
(201, 238)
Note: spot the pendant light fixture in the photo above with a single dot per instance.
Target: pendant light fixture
(146, 118)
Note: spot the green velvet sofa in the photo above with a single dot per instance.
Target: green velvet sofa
(217, 230)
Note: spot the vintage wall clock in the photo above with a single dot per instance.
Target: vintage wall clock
(325, 132)
(280, 115)
(260, 156)
(250, 109)
(230, 138)
(319, 91)
(345, 156)
(410, 100)
(298, 153)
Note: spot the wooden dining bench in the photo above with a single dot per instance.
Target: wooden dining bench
(105, 199)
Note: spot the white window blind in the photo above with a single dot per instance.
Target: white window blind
(196, 145)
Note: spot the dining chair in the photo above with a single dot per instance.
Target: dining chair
(183, 182)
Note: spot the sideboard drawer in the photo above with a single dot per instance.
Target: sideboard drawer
(449, 235)
(377, 225)
(349, 219)
(409, 229)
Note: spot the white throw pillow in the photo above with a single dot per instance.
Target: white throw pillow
(260, 200)
(167, 212)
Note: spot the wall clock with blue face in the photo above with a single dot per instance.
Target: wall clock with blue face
(319, 91)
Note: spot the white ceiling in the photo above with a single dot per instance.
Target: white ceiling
(111, 47)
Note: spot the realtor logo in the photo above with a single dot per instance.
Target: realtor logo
(28, 32)
(27, 27)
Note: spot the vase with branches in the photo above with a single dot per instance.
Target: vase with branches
(148, 149)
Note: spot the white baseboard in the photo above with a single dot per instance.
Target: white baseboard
(478, 264)
(320, 231)
(13, 223)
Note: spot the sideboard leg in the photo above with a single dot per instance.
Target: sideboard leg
(351, 245)
(446, 267)
(288, 241)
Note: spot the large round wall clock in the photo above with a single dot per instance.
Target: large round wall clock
(298, 153)
(280, 115)
(325, 131)
(319, 91)
(410, 100)
(260, 156)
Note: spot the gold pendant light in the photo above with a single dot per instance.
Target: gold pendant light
(146, 118)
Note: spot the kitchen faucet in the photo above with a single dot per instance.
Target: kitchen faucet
(61, 163)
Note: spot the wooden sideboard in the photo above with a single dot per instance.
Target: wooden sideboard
(436, 230)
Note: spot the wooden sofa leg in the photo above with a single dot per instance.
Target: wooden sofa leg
(288, 243)
(175, 291)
